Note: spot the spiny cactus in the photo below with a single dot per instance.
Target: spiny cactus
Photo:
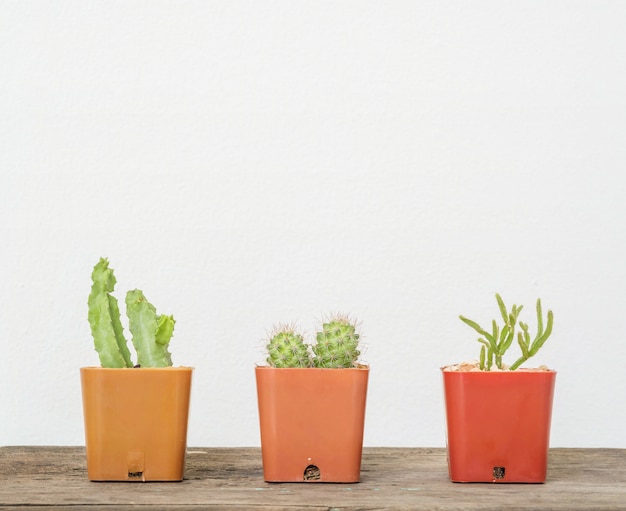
(286, 348)
(335, 347)
(151, 332)
(499, 340)
(336, 344)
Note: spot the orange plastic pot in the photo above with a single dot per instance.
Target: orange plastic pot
(312, 423)
(498, 425)
(136, 422)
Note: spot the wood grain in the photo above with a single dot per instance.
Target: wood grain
(55, 478)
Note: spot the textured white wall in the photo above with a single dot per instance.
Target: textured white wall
(246, 163)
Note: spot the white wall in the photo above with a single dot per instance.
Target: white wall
(246, 163)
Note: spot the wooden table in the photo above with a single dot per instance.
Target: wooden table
(232, 478)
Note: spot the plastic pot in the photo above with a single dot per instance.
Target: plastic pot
(136, 422)
(498, 425)
(311, 423)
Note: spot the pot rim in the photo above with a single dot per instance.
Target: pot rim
(361, 367)
(521, 370)
(112, 369)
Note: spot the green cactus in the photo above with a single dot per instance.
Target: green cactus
(151, 333)
(500, 339)
(286, 348)
(104, 318)
(336, 344)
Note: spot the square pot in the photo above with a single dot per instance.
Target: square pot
(136, 422)
(498, 425)
(311, 423)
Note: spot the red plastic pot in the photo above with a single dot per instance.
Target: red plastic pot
(136, 422)
(312, 423)
(498, 425)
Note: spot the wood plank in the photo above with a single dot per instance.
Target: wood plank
(232, 478)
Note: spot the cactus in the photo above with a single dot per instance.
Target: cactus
(500, 339)
(151, 333)
(336, 344)
(286, 348)
(104, 318)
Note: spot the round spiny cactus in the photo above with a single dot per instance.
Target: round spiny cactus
(337, 344)
(286, 348)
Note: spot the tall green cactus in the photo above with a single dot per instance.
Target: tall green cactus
(499, 340)
(151, 333)
(104, 318)
(337, 344)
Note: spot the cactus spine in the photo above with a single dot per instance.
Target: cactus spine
(286, 348)
(336, 344)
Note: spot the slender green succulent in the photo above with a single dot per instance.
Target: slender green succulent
(499, 340)
(104, 318)
(336, 344)
(335, 347)
(286, 348)
(151, 333)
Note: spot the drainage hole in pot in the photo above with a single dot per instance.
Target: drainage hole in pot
(312, 473)
(135, 475)
(498, 472)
